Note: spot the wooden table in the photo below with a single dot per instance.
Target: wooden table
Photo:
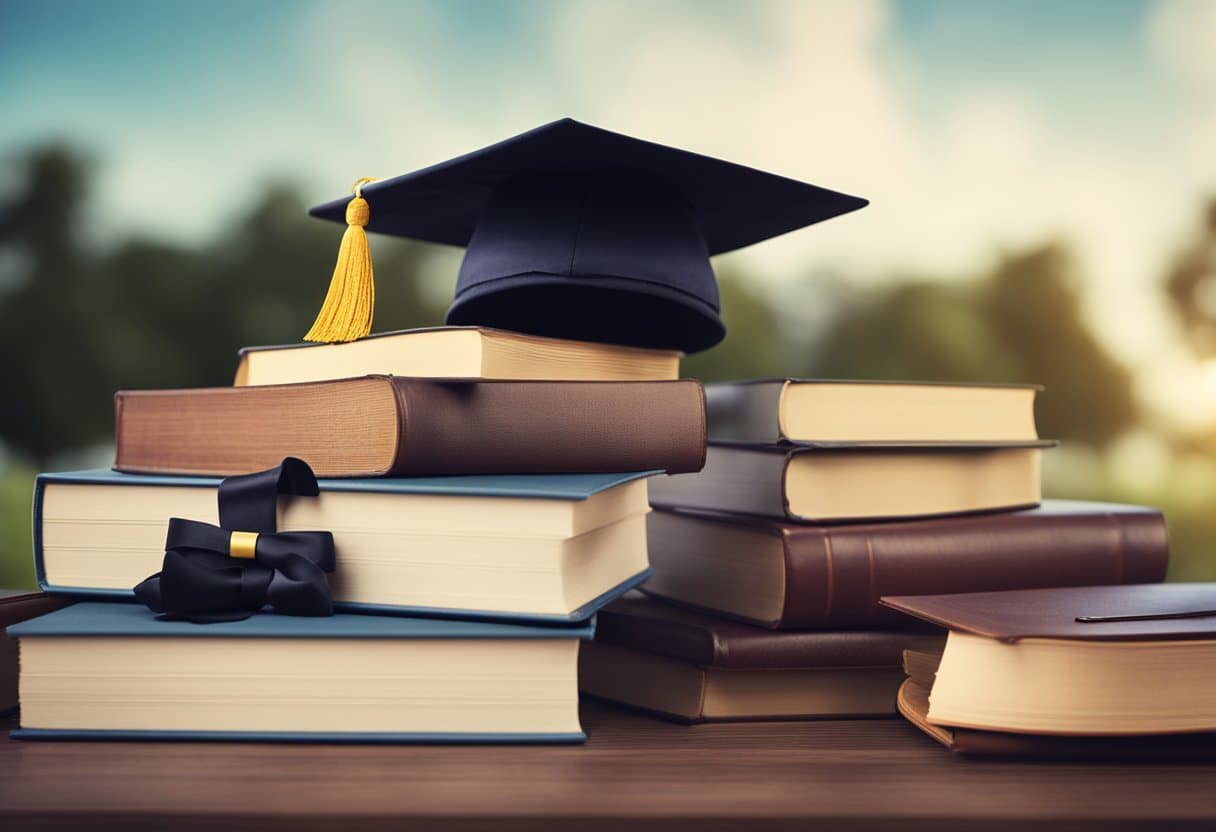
(866, 774)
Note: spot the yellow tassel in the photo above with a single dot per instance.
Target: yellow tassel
(346, 314)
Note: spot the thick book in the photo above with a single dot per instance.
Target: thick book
(117, 672)
(547, 548)
(696, 668)
(410, 427)
(455, 352)
(821, 410)
(1105, 661)
(791, 575)
(17, 606)
(913, 704)
(837, 482)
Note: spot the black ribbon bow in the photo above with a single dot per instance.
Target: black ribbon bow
(229, 572)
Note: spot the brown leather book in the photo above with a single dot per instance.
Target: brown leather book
(395, 426)
(789, 575)
(695, 668)
(1115, 666)
(17, 606)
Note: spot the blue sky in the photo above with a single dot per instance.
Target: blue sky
(970, 125)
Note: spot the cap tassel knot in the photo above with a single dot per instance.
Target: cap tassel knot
(346, 314)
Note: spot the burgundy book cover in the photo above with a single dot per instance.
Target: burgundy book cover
(836, 574)
(411, 427)
(641, 623)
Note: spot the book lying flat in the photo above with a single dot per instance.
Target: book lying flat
(818, 410)
(914, 706)
(834, 482)
(793, 575)
(392, 426)
(17, 606)
(695, 668)
(116, 672)
(455, 352)
(1128, 661)
(552, 548)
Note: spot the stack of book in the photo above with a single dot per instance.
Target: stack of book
(486, 492)
(819, 498)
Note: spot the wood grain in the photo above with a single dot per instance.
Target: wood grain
(864, 774)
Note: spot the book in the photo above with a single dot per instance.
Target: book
(790, 575)
(913, 704)
(856, 481)
(116, 672)
(695, 668)
(455, 352)
(392, 426)
(16, 606)
(820, 410)
(549, 548)
(1076, 661)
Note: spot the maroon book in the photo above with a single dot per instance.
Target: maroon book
(790, 576)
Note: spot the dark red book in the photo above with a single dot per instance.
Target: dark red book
(791, 575)
(697, 668)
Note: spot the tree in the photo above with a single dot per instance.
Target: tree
(1190, 285)
(1020, 323)
(47, 326)
(76, 324)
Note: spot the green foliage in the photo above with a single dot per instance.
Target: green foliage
(1020, 323)
(1190, 286)
(148, 314)
(16, 504)
(752, 344)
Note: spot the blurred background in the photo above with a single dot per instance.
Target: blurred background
(1042, 177)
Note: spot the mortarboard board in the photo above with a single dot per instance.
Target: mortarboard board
(573, 231)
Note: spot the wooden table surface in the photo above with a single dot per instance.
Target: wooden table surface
(864, 774)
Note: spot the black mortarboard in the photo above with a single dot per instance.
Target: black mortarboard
(577, 232)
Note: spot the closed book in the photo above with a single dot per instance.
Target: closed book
(1097, 661)
(117, 672)
(838, 482)
(17, 606)
(792, 575)
(399, 427)
(697, 668)
(543, 547)
(455, 352)
(914, 706)
(821, 410)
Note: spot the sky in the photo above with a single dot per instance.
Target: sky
(971, 126)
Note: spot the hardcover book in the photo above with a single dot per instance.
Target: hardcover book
(1079, 662)
(17, 606)
(455, 352)
(385, 426)
(694, 668)
(116, 672)
(835, 482)
(818, 410)
(791, 575)
(552, 548)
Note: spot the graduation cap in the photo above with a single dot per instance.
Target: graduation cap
(573, 231)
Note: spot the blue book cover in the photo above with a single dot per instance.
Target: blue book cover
(101, 620)
(565, 487)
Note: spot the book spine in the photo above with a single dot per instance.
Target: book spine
(836, 576)
(454, 428)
